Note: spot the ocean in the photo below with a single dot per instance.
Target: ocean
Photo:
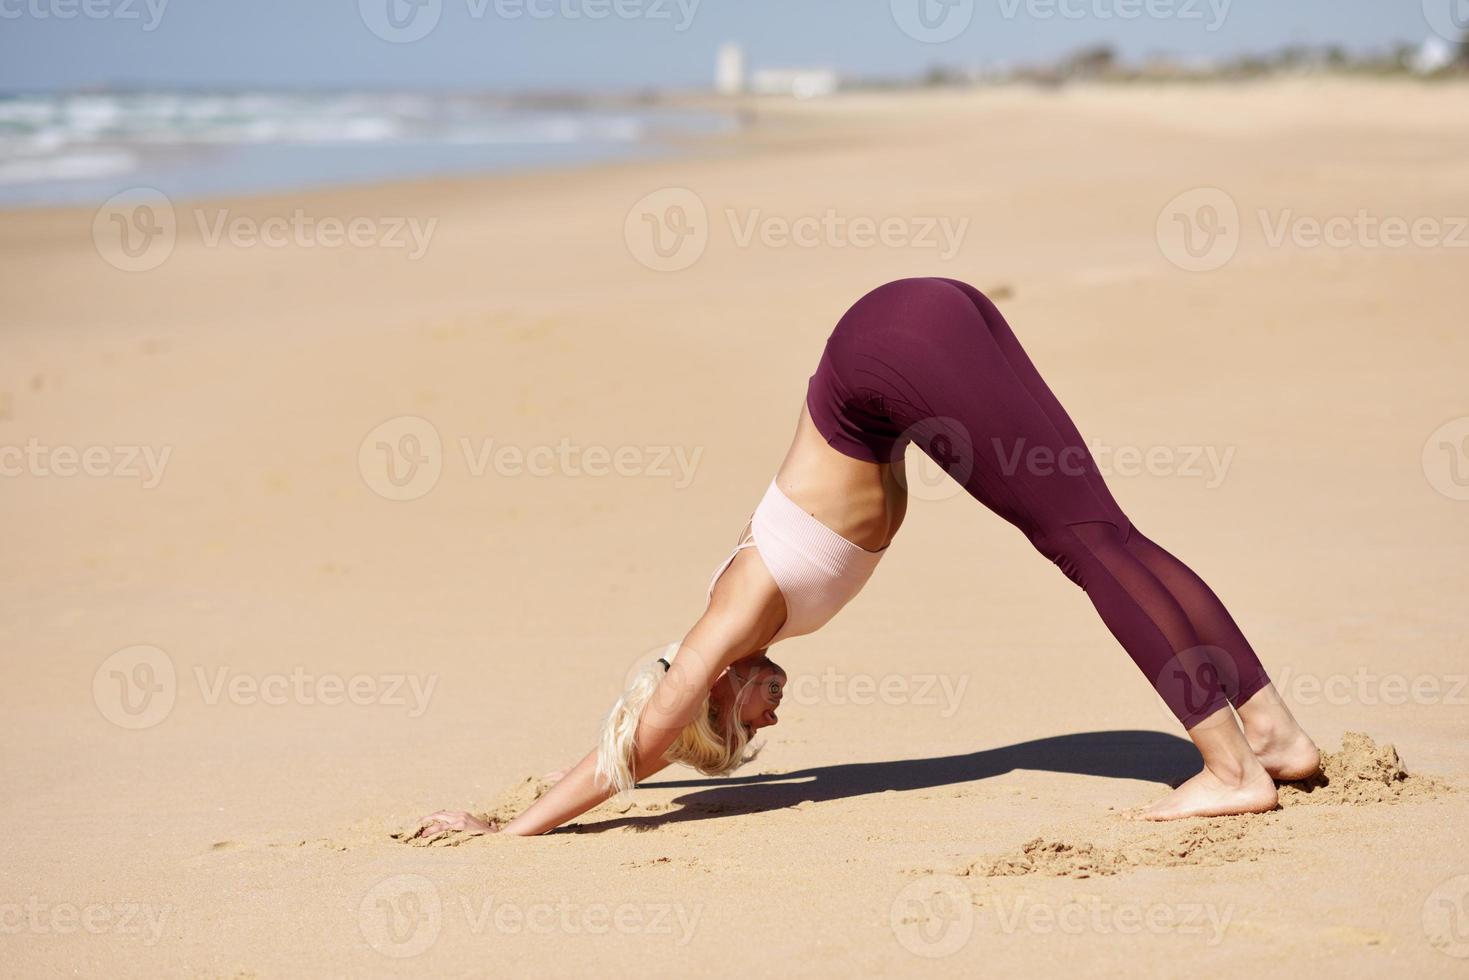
(81, 149)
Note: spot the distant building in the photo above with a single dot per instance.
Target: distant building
(803, 83)
(729, 70)
(1435, 55)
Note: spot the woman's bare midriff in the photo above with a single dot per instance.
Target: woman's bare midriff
(863, 502)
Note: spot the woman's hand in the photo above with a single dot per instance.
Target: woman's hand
(452, 821)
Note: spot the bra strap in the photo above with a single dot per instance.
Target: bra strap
(747, 540)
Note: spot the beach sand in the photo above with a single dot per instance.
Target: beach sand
(234, 671)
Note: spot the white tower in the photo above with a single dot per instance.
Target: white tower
(729, 69)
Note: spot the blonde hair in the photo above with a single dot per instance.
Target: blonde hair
(703, 744)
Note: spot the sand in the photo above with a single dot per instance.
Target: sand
(246, 651)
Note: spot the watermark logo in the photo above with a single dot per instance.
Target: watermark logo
(1199, 230)
(1362, 230)
(947, 458)
(402, 458)
(932, 21)
(569, 459)
(1215, 11)
(135, 230)
(131, 462)
(1446, 459)
(667, 230)
(642, 662)
(401, 21)
(942, 691)
(401, 916)
(1364, 687)
(299, 229)
(566, 917)
(933, 917)
(941, 234)
(1448, 18)
(125, 919)
(1446, 917)
(1195, 679)
(1208, 463)
(412, 692)
(1092, 914)
(148, 13)
(135, 688)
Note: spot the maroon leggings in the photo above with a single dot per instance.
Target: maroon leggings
(931, 361)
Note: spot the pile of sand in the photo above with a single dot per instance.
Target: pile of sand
(1217, 841)
(1363, 772)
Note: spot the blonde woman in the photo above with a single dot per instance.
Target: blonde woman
(931, 361)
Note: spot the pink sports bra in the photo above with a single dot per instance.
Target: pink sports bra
(817, 570)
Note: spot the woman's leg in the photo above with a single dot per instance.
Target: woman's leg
(1281, 745)
(947, 367)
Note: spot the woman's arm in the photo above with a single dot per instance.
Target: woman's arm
(721, 637)
(744, 612)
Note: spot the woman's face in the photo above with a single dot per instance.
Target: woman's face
(759, 700)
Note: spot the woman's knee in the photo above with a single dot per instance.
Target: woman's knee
(1074, 548)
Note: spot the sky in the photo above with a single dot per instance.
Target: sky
(596, 45)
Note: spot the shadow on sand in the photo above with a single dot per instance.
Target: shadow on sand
(1151, 756)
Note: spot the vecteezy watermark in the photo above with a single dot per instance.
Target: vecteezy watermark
(832, 229)
(144, 463)
(406, 21)
(1365, 687)
(571, 460)
(932, 21)
(37, 917)
(1208, 463)
(138, 686)
(1363, 229)
(401, 916)
(669, 230)
(135, 687)
(137, 230)
(1210, 13)
(946, 457)
(299, 229)
(1196, 682)
(1200, 230)
(1096, 916)
(404, 915)
(933, 917)
(1446, 459)
(1446, 917)
(403, 458)
(147, 14)
(1448, 18)
(409, 691)
(831, 686)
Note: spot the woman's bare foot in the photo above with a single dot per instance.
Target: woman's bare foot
(1286, 757)
(1210, 795)
(1233, 780)
(1278, 741)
